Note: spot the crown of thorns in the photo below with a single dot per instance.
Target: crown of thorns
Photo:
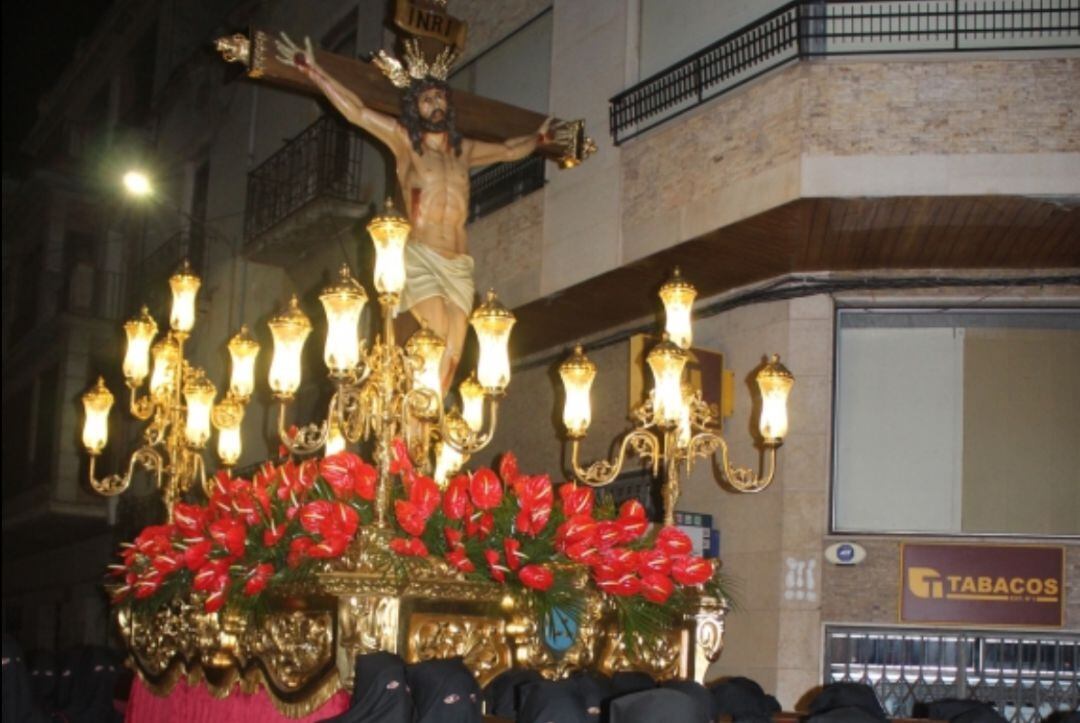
(416, 66)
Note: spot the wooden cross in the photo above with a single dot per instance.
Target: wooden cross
(476, 116)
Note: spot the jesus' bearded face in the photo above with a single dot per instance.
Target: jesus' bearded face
(432, 105)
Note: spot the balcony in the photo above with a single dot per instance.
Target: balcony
(805, 29)
(503, 183)
(308, 191)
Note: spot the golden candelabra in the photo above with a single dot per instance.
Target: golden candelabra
(179, 405)
(385, 392)
(388, 392)
(674, 425)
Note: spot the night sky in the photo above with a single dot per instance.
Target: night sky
(40, 37)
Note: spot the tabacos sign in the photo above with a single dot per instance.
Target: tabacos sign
(982, 584)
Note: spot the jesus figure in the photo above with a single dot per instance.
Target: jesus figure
(432, 166)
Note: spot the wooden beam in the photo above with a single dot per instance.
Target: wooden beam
(477, 117)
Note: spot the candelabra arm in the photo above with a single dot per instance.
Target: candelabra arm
(464, 440)
(142, 409)
(642, 442)
(114, 484)
(311, 437)
(742, 479)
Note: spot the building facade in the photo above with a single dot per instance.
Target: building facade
(808, 173)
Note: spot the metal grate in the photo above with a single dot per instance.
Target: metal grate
(1027, 677)
(816, 28)
(502, 184)
(323, 161)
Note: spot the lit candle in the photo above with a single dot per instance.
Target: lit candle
(199, 394)
(775, 383)
(389, 232)
(666, 360)
(343, 303)
(243, 349)
(678, 297)
(290, 330)
(493, 322)
(96, 403)
(140, 334)
(578, 373)
(184, 285)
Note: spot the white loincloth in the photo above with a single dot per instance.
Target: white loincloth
(428, 273)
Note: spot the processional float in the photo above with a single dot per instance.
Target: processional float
(299, 642)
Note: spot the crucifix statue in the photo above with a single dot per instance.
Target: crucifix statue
(434, 136)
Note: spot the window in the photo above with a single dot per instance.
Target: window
(516, 70)
(952, 421)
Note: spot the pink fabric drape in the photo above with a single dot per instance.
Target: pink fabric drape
(194, 704)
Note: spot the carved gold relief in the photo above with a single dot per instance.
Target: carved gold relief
(293, 647)
(481, 641)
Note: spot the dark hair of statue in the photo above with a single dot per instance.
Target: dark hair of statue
(416, 126)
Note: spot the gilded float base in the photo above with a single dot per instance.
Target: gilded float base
(302, 649)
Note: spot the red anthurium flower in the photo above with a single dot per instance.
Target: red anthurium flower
(190, 519)
(485, 489)
(410, 517)
(342, 521)
(313, 515)
(624, 586)
(400, 463)
(332, 546)
(207, 575)
(653, 561)
(231, 534)
(584, 552)
(607, 534)
(154, 540)
(537, 577)
(257, 577)
(309, 472)
(631, 528)
(656, 588)
(298, 550)
(409, 546)
(148, 584)
(455, 501)
(216, 599)
(512, 549)
(273, 534)
(365, 481)
(606, 571)
(453, 537)
(266, 475)
(691, 570)
(495, 566)
(262, 496)
(632, 509)
(485, 525)
(290, 480)
(621, 557)
(339, 472)
(508, 468)
(167, 562)
(460, 560)
(532, 520)
(576, 500)
(535, 491)
(424, 493)
(673, 542)
(220, 485)
(579, 528)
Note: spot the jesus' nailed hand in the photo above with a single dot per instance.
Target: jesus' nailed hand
(432, 166)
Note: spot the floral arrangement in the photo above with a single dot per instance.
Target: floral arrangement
(285, 523)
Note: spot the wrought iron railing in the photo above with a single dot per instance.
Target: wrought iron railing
(1026, 676)
(504, 183)
(323, 161)
(818, 28)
